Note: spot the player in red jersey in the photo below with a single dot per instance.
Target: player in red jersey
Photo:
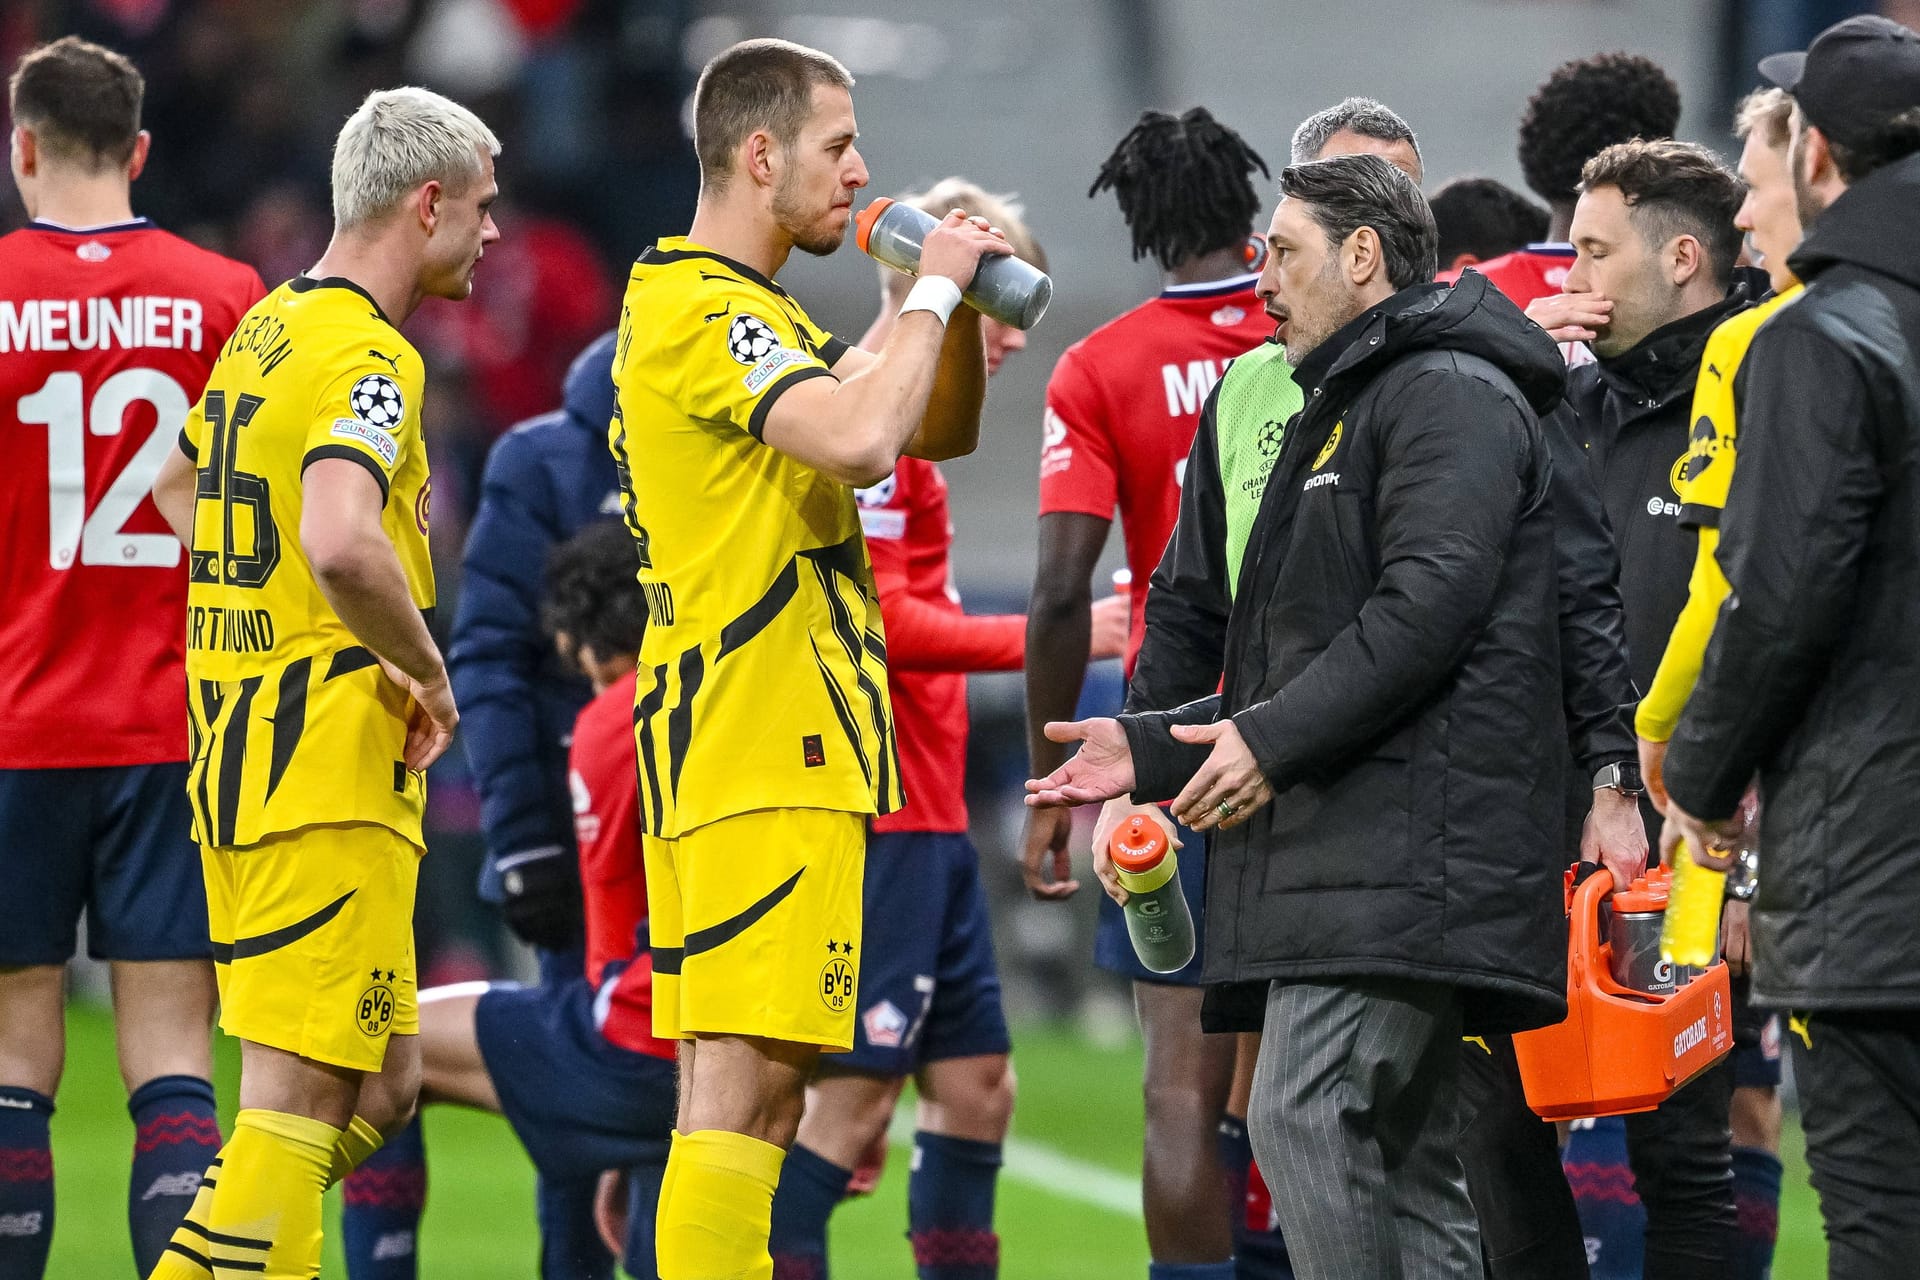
(1122, 408)
(929, 996)
(574, 1066)
(108, 328)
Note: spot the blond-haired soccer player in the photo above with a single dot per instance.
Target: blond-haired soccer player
(765, 739)
(316, 693)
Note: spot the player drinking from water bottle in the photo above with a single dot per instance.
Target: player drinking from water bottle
(742, 429)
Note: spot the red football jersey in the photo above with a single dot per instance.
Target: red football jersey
(1537, 271)
(931, 643)
(106, 339)
(604, 774)
(1122, 408)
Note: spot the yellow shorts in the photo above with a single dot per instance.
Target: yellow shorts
(755, 926)
(313, 941)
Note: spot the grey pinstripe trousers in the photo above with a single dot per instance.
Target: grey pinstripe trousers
(1355, 1119)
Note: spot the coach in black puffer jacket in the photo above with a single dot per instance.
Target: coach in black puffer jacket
(1392, 661)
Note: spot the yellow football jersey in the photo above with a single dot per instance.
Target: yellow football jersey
(763, 678)
(293, 722)
(1705, 474)
(1712, 447)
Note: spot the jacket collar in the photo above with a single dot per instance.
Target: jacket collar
(1363, 338)
(1666, 363)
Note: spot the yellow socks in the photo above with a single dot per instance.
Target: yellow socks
(359, 1141)
(716, 1206)
(266, 1210)
(188, 1256)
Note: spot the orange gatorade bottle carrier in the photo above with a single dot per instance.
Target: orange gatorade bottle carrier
(1620, 1049)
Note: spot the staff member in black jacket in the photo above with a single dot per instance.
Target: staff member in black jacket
(1813, 674)
(1654, 240)
(1394, 632)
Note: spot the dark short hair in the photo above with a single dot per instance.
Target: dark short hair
(1673, 189)
(1364, 116)
(756, 84)
(82, 101)
(1184, 184)
(1349, 192)
(593, 590)
(1895, 138)
(1586, 106)
(1485, 218)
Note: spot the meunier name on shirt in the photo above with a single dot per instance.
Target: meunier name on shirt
(104, 324)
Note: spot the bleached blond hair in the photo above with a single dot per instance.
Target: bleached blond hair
(398, 139)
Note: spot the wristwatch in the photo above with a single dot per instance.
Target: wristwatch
(1623, 777)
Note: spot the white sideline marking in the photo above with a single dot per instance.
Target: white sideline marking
(1051, 1170)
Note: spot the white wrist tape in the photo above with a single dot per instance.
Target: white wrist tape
(932, 293)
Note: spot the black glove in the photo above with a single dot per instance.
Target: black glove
(542, 898)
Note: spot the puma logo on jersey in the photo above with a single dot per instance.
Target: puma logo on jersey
(711, 316)
(392, 361)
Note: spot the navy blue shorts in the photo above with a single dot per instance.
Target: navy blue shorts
(578, 1103)
(115, 843)
(1756, 1041)
(1113, 950)
(929, 990)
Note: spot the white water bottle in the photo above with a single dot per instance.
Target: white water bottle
(1011, 291)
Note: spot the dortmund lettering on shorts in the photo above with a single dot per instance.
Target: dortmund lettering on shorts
(762, 676)
(291, 721)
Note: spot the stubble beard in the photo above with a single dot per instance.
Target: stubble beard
(809, 235)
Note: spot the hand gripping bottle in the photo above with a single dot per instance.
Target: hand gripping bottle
(1004, 287)
(1691, 932)
(1158, 921)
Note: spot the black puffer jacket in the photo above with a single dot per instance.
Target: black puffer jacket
(1813, 675)
(1392, 661)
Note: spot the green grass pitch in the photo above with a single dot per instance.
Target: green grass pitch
(1062, 1203)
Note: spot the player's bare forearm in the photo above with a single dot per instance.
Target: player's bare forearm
(368, 589)
(1059, 627)
(950, 427)
(358, 571)
(856, 428)
(173, 494)
(1059, 637)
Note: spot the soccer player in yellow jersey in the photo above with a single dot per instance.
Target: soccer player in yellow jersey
(1770, 217)
(316, 693)
(764, 733)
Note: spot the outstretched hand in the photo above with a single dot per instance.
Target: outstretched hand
(1100, 770)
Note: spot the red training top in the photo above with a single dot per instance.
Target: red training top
(931, 643)
(605, 777)
(1537, 271)
(1122, 407)
(107, 336)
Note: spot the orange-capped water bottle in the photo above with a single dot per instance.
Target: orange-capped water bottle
(1158, 922)
(1011, 291)
(1690, 935)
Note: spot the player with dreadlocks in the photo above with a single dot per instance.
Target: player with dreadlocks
(1122, 409)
